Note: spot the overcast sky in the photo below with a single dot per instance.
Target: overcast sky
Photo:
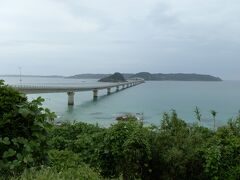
(67, 37)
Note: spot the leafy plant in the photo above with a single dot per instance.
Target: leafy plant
(80, 138)
(125, 150)
(198, 114)
(31, 144)
(23, 131)
(82, 172)
(214, 114)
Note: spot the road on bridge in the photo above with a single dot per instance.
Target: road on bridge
(71, 89)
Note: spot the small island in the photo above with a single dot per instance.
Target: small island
(116, 77)
(175, 77)
(148, 77)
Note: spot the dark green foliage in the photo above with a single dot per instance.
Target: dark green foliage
(222, 152)
(198, 115)
(176, 149)
(64, 165)
(234, 126)
(125, 150)
(175, 77)
(23, 131)
(80, 138)
(214, 114)
(116, 77)
(82, 172)
(63, 159)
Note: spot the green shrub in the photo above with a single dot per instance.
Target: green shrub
(23, 131)
(63, 159)
(82, 172)
(177, 149)
(125, 150)
(80, 138)
(173, 150)
(64, 165)
(222, 152)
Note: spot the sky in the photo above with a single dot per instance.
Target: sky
(67, 37)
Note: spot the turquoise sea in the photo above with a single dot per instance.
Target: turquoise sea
(150, 100)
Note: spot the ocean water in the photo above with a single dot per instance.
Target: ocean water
(150, 99)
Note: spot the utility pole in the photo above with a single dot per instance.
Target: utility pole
(20, 75)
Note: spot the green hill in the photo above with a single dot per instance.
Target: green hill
(175, 77)
(150, 77)
(116, 77)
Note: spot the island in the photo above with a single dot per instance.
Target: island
(153, 77)
(116, 77)
(176, 77)
(143, 75)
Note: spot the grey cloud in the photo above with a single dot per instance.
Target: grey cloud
(161, 16)
(31, 42)
(80, 36)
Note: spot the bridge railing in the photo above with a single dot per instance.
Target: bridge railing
(75, 87)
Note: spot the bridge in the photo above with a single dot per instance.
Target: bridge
(71, 90)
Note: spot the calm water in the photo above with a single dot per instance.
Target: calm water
(150, 98)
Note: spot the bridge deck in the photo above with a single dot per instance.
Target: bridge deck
(37, 89)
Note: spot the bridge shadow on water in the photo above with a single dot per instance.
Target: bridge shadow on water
(93, 102)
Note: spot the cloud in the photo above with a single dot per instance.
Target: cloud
(120, 35)
(43, 16)
(161, 16)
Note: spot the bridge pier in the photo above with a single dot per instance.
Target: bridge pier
(108, 91)
(71, 90)
(70, 98)
(95, 94)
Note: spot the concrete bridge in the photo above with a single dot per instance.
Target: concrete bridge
(70, 90)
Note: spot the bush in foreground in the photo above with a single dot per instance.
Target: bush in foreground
(127, 149)
(23, 131)
(173, 150)
(82, 172)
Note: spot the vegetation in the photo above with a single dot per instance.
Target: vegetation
(198, 115)
(214, 114)
(153, 77)
(175, 77)
(23, 131)
(82, 173)
(116, 77)
(32, 148)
